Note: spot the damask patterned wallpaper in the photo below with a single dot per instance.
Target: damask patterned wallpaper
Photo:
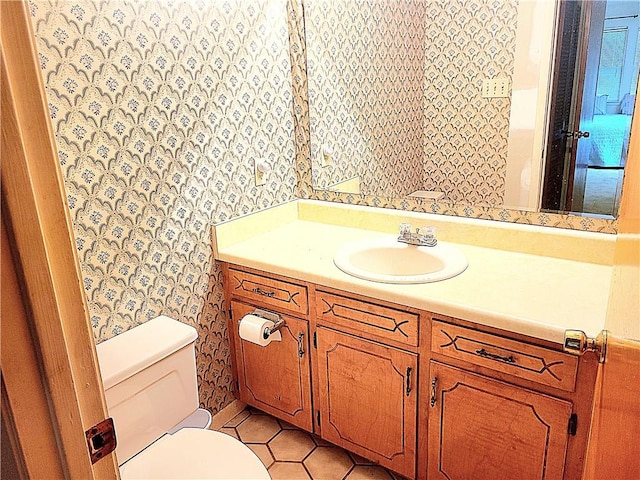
(365, 64)
(395, 92)
(465, 135)
(160, 109)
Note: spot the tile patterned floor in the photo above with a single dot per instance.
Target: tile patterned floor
(293, 454)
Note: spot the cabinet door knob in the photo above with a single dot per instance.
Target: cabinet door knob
(434, 381)
(408, 380)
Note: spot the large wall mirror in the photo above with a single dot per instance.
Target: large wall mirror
(473, 101)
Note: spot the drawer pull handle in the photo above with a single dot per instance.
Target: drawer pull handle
(493, 356)
(264, 293)
(434, 381)
(408, 387)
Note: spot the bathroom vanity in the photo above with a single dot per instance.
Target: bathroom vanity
(405, 375)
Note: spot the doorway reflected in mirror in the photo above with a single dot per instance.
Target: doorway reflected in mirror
(594, 84)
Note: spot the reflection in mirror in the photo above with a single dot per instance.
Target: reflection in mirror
(593, 90)
(436, 99)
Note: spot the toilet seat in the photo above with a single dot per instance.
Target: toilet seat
(195, 453)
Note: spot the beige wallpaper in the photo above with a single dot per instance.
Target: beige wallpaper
(395, 94)
(365, 64)
(160, 109)
(465, 135)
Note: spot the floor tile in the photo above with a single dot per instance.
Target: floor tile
(290, 453)
(321, 442)
(328, 463)
(287, 425)
(368, 472)
(358, 460)
(263, 453)
(258, 429)
(291, 445)
(238, 419)
(288, 471)
(230, 431)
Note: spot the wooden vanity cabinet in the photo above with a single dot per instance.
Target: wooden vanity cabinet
(502, 408)
(367, 366)
(485, 429)
(275, 378)
(425, 397)
(368, 398)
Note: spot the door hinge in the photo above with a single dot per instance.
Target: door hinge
(101, 439)
(318, 417)
(573, 424)
(315, 339)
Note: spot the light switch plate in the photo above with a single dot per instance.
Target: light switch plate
(327, 155)
(495, 87)
(260, 169)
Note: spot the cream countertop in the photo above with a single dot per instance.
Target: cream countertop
(533, 295)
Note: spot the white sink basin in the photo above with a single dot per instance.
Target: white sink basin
(386, 260)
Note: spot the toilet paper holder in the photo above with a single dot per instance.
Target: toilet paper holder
(278, 322)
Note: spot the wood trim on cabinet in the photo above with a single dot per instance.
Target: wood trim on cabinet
(367, 318)
(288, 296)
(513, 357)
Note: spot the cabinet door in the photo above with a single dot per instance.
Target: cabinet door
(368, 399)
(275, 378)
(485, 429)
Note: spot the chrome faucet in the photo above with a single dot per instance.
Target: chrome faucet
(424, 237)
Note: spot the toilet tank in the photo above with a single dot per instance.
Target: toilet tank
(150, 382)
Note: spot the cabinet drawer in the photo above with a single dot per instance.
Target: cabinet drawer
(523, 360)
(268, 291)
(367, 318)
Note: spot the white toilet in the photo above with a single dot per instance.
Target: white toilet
(149, 376)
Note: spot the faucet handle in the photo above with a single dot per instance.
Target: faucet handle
(405, 229)
(428, 236)
(428, 232)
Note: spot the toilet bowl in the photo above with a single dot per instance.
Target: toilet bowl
(195, 453)
(150, 381)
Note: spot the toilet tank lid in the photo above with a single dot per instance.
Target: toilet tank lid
(134, 350)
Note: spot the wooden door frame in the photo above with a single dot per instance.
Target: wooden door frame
(553, 177)
(612, 451)
(578, 92)
(45, 300)
(570, 176)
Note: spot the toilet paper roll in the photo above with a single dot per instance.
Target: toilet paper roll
(253, 329)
